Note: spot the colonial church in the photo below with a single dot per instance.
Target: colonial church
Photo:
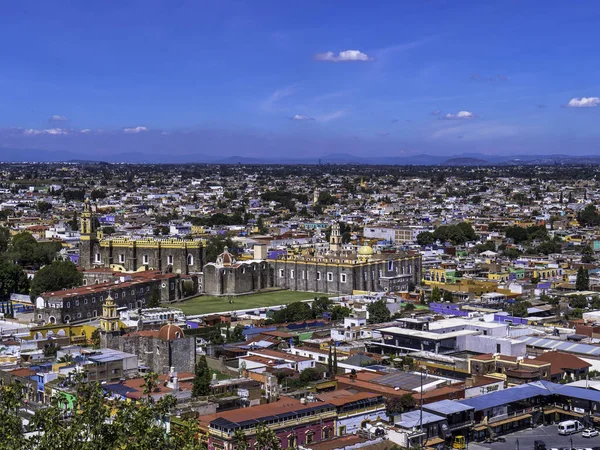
(338, 269)
(182, 256)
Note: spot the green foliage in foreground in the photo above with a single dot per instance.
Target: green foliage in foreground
(94, 424)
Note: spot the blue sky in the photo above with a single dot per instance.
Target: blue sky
(313, 77)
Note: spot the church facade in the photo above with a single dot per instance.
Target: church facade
(182, 256)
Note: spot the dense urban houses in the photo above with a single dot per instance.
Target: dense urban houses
(294, 422)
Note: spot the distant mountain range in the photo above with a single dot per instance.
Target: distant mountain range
(465, 159)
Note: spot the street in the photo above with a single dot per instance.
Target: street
(548, 434)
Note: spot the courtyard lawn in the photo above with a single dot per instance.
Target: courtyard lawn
(207, 304)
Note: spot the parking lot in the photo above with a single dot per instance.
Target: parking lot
(548, 434)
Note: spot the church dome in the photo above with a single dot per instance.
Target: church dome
(225, 258)
(170, 332)
(366, 250)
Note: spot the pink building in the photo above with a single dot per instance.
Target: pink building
(295, 423)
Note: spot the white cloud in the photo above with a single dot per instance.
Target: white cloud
(332, 116)
(301, 117)
(459, 115)
(134, 130)
(277, 95)
(347, 55)
(57, 118)
(584, 102)
(84, 131)
(52, 131)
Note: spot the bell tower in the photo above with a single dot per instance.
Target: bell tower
(335, 240)
(88, 235)
(109, 321)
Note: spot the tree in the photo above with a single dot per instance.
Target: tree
(74, 222)
(448, 298)
(25, 251)
(321, 305)
(241, 441)
(589, 216)
(237, 335)
(4, 239)
(309, 374)
(579, 301)
(294, 312)
(398, 405)
(161, 230)
(587, 255)
(338, 312)
(154, 299)
(13, 280)
(409, 307)
(150, 383)
(11, 430)
(54, 277)
(425, 238)
(378, 312)
(43, 207)
(266, 439)
(335, 364)
(201, 383)
(215, 246)
(519, 308)
(582, 282)
(436, 294)
(330, 359)
(108, 230)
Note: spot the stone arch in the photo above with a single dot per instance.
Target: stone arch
(51, 319)
(37, 336)
(61, 333)
(49, 334)
(67, 318)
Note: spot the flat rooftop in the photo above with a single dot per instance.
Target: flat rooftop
(427, 335)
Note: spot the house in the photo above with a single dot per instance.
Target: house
(354, 410)
(565, 365)
(295, 423)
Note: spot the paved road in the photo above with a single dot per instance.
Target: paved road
(548, 434)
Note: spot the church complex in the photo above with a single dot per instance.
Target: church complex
(174, 269)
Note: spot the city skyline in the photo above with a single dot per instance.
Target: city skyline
(262, 80)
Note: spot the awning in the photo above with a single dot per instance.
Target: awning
(433, 441)
(512, 419)
(480, 428)
(564, 411)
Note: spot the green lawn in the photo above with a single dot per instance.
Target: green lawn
(208, 304)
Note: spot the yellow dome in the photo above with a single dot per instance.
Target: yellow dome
(365, 250)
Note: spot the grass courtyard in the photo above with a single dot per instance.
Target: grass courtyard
(206, 304)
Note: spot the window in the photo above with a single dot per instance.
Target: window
(93, 299)
(281, 273)
(133, 292)
(145, 259)
(329, 276)
(310, 437)
(121, 258)
(79, 315)
(304, 274)
(76, 302)
(170, 259)
(318, 275)
(84, 282)
(292, 274)
(116, 295)
(380, 273)
(498, 350)
(147, 288)
(68, 305)
(390, 266)
(97, 258)
(343, 277)
(190, 260)
(172, 286)
(89, 314)
(95, 313)
(85, 301)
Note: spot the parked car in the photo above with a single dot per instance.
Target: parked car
(539, 445)
(589, 433)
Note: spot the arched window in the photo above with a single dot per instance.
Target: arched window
(190, 260)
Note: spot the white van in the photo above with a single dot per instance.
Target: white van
(570, 427)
